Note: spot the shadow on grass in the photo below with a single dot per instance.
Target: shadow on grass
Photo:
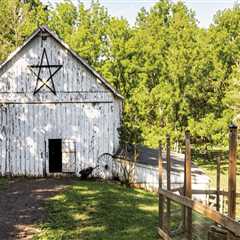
(96, 210)
(3, 183)
(21, 202)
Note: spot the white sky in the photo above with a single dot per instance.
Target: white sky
(204, 9)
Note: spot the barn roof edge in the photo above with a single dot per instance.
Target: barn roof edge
(56, 37)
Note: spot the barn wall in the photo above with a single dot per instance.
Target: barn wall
(83, 110)
(17, 82)
(117, 122)
(26, 128)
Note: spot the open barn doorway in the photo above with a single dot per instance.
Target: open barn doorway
(62, 155)
(55, 155)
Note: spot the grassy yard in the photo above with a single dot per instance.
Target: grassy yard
(96, 210)
(107, 211)
(3, 183)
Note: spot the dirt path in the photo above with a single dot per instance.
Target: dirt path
(21, 205)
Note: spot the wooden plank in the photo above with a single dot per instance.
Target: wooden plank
(8, 133)
(3, 144)
(160, 181)
(11, 138)
(210, 213)
(188, 167)
(208, 192)
(232, 171)
(30, 115)
(34, 156)
(53, 102)
(218, 183)
(163, 235)
(21, 137)
(168, 159)
(188, 184)
(230, 236)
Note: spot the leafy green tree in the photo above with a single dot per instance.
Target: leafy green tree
(18, 20)
(167, 37)
(63, 19)
(89, 39)
(173, 74)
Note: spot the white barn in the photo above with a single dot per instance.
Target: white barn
(57, 115)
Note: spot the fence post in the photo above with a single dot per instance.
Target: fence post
(218, 183)
(188, 184)
(160, 182)
(168, 159)
(232, 171)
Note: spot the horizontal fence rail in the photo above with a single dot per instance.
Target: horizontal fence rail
(212, 192)
(208, 212)
(184, 198)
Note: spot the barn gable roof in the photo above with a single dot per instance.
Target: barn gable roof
(45, 29)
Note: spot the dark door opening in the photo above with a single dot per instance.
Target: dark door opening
(55, 155)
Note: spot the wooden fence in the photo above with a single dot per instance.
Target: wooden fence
(184, 198)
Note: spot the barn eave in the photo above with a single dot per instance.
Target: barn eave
(45, 29)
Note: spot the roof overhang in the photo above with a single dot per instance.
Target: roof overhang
(45, 29)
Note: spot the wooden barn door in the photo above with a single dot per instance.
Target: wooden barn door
(68, 156)
(62, 156)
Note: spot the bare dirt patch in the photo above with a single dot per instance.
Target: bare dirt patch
(21, 205)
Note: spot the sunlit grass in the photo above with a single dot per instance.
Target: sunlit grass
(108, 211)
(96, 210)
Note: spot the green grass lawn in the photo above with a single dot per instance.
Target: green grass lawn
(3, 183)
(96, 210)
(107, 211)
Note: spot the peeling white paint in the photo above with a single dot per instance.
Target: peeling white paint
(83, 111)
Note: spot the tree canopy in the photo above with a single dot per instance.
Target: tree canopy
(173, 74)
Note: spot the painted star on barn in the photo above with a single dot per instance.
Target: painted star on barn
(49, 83)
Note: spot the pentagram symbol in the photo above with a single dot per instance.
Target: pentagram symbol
(48, 81)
